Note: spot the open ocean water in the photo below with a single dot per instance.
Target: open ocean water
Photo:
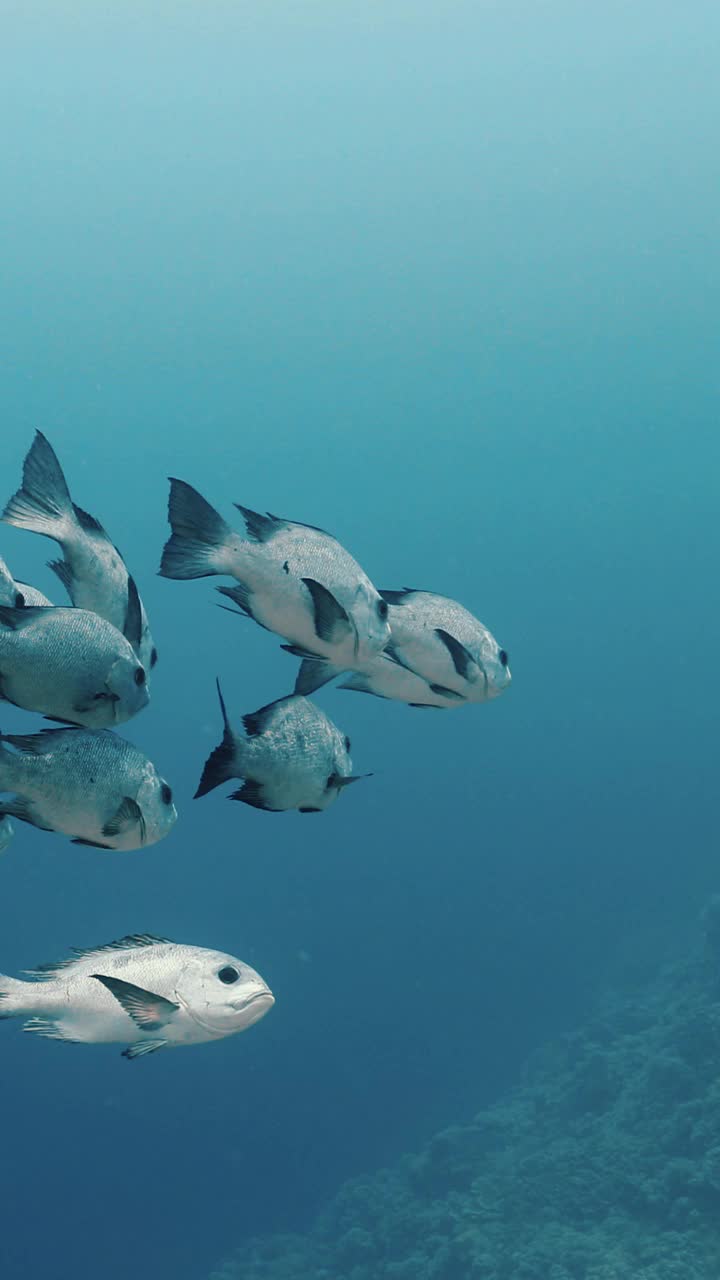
(442, 278)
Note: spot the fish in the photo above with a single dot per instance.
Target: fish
(145, 992)
(92, 569)
(17, 594)
(7, 831)
(439, 655)
(293, 757)
(72, 665)
(292, 579)
(88, 784)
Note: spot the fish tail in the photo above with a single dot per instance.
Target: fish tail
(13, 996)
(43, 504)
(222, 763)
(199, 538)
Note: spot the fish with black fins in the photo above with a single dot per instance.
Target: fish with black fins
(439, 655)
(142, 991)
(292, 579)
(72, 665)
(293, 757)
(92, 569)
(18, 594)
(88, 784)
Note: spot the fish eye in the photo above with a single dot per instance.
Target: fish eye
(19, 600)
(348, 747)
(166, 793)
(382, 608)
(140, 676)
(153, 656)
(503, 657)
(228, 975)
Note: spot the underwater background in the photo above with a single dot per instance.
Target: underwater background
(443, 279)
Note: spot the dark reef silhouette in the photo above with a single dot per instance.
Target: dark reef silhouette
(604, 1163)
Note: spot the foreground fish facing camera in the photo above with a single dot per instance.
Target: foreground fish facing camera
(88, 784)
(293, 757)
(72, 665)
(92, 570)
(18, 594)
(292, 579)
(439, 655)
(146, 992)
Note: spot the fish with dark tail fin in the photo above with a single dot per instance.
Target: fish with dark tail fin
(92, 570)
(439, 655)
(292, 579)
(142, 991)
(292, 757)
(88, 784)
(72, 665)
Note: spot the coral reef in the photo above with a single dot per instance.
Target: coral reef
(603, 1164)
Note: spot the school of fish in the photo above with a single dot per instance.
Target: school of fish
(86, 667)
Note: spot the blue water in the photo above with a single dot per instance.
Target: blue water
(443, 279)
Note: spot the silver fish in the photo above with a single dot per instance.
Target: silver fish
(92, 570)
(293, 757)
(439, 655)
(88, 784)
(71, 665)
(146, 992)
(7, 831)
(17, 594)
(293, 579)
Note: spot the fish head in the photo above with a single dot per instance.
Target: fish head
(494, 667)
(221, 993)
(370, 620)
(155, 799)
(127, 685)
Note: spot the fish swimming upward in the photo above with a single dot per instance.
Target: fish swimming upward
(292, 758)
(92, 570)
(17, 594)
(439, 655)
(72, 665)
(292, 579)
(146, 992)
(88, 784)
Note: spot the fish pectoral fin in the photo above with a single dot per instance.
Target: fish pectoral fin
(142, 1047)
(331, 620)
(148, 1011)
(443, 692)
(463, 660)
(129, 815)
(133, 616)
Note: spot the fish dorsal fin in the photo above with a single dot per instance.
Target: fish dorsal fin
(314, 528)
(396, 597)
(133, 616)
(16, 619)
(251, 793)
(330, 617)
(148, 1011)
(463, 660)
(128, 815)
(260, 528)
(131, 942)
(62, 570)
(88, 522)
(256, 722)
(37, 744)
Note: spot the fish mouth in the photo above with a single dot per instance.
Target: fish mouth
(257, 996)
